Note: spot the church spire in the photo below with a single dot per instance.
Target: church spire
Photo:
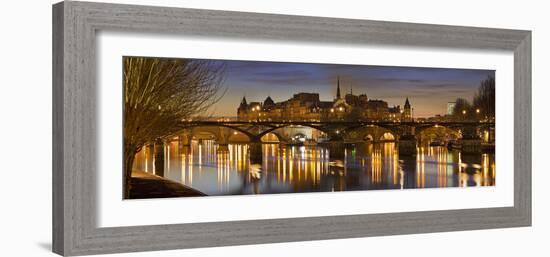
(243, 107)
(338, 87)
(351, 89)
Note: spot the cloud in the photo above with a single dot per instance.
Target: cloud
(430, 88)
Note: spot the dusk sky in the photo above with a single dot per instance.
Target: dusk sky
(429, 89)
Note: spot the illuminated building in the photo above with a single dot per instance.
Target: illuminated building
(450, 108)
(308, 107)
(407, 113)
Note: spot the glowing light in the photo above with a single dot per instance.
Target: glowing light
(308, 165)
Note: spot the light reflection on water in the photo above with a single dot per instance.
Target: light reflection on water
(216, 170)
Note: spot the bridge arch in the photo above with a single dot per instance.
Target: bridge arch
(272, 137)
(220, 134)
(437, 132)
(205, 135)
(370, 133)
(287, 132)
(238, 137)
(220, 125)
(387, 136)
(305, 124)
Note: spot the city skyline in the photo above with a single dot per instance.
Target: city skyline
(428, 89)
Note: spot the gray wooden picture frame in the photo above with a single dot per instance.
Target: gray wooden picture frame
(75, 25)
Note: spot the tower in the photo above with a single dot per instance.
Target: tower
(338, 88)
(243, 109)
(243, 103)
(407, 116)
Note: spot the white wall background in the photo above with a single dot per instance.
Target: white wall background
(25, 128)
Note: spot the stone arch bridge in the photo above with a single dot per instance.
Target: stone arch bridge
(224, 132)
(335, 134)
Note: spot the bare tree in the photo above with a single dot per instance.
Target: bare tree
(462, 110)
(484, 100)
(158, 94)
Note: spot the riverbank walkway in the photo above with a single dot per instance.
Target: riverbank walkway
(145, 185)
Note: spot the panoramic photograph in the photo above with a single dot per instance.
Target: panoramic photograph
(203, 127)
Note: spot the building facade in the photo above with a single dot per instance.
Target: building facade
(450, 108)
(309, 107)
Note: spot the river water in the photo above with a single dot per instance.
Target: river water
(216, 170)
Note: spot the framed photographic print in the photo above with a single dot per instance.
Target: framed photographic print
(182, 128)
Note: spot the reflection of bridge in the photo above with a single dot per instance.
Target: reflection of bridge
(354, 131)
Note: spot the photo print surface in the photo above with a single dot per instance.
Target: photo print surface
(201, 127)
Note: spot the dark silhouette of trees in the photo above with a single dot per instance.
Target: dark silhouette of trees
(483, 105)
(463, 109)
(484, 100)
(159, 93)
